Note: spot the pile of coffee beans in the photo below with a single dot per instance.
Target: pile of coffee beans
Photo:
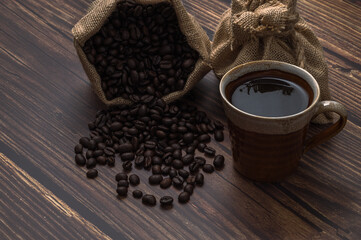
(141, 50)
(158, 137)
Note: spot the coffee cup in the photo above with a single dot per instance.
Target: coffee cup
(267, 147)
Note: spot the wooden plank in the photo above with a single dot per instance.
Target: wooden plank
(28, 209)
(46, 103)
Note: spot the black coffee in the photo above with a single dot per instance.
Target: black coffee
(270, 97)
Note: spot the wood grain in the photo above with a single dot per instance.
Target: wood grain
(46, 102)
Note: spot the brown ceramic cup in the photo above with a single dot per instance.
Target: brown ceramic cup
(268, 149)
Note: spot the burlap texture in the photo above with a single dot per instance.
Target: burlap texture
(268, 30)
(98, 13)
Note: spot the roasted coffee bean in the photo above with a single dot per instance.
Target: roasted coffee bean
(218, 161)
(191, 180)
(177, 154)
(92, 145)
(124, 148)
(155, 179)
(129, 156)
(183, 173)
(194, 167)
(121, 176)
(139, 161)
(204, 138)
(166, 170)
(177, 182)
(101, 146)
(127, 166)
(89, 154)
(85, 141)
(172, 173)
(199, 179)
(91, 163)
(218, 135)
(116, 126)
(134, 180)
(111, 161)
(78, 148)
(201, 147)
(189, 189)
(123, 183)
(190, 150)
(166, 182)
(98, 153)
(101, 160)
(148, 199)
(122, 191)
(200, 160)
(177, 164)
(188, 138)
(137, 194)
(166, 201)
(156, 169)
(208, 168)
(209, 151)
(156, 160)
(183, 197)
(80, 159)
(92, 173)
(147, 163)
(109, 151)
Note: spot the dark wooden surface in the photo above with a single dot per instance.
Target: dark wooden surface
(46, 102)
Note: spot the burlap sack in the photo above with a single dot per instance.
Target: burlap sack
(270, 30)
(98, 13)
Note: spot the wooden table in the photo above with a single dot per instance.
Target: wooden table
(46, 102)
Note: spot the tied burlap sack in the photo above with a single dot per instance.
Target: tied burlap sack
(268, 30)
(98, 13)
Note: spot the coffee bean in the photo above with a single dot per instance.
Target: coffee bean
(156, 160)
(218, 135)
(97, 153)
(189, 189)
(201, 147)
(137, 194)
(199, 179)
(218, 161)
(101, 160)
(183, 197)
(116, 126)
(121, 176)
(208, 168)
(122, 191)
(177, 182)
(128, 156)
(166, 182)
(166, 201)
(92, 173)
(111, 161)
(204, 138)
(147, 163)
(78, 149)
(80, 160)
(109, 151)
(155, 179)
(200, 160)
(209, 151)
(177, 164)
(188, 159)
(183, 173)
(190, 150)
(127, 166)
(194, 167)
(89, 154)
(134, 180)
(156, 169)
(139, 161)
(85, 141)
(148, 199)
(188, 138)
(124, 148)
(91, 163)
(191, 180)
(123, 183)
(172, 173)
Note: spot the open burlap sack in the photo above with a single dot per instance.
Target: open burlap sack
(98, 13)
(268, 30)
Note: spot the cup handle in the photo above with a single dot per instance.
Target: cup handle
(331, 131)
